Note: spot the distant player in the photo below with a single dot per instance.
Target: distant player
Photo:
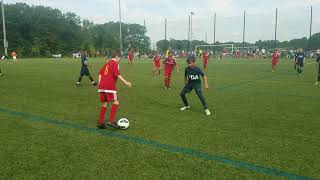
(318, 61)
(192, 80)
(156, 64)
(295, 59)
(300, 61)
(205, 57)
(84, 71)
(169, 65)
(130, 57)
(275, 60)
(108, 76)
(14, 55)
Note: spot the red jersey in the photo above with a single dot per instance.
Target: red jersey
(130, 55)
(157, 60)
(169, 64)
(205, 56)
(109, 75)
(275, 57)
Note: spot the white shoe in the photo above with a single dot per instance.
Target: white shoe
(185, 108)
(207, 112)
(316, 83)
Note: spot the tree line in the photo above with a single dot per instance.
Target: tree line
(39, 31)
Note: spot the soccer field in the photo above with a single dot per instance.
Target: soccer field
(264, 125)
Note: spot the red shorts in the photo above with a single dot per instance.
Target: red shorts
(168, 73)
(108, 97)
(274, 62)
(130, 59)
(157, 65)
(205, 62)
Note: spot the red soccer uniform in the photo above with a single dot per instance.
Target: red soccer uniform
(156, 61)
(169, 64)
(275, 58)
(107, 86)
(130, 56)
(205, 57)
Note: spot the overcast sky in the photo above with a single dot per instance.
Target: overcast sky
(294, 16)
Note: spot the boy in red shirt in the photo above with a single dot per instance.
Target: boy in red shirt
(169, 65)
(108, 76)
(156, 64)
(205, 58)
(130, 57)
(275, 59)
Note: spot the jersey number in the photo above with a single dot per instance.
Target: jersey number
(106, 71)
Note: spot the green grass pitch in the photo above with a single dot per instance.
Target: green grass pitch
(263, 124)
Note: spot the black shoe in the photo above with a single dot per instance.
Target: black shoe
(114, 125)
(102, 126)
(94, 84)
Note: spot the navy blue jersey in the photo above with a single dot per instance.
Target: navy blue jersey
(84, 60)
(300, 56)
(318, 57)
(193, 74)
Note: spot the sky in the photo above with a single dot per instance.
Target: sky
(293, 17)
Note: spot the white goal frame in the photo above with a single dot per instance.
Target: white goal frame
(217, 45)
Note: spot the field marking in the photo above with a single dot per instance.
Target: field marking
(157, 145)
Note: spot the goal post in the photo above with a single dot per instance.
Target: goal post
(227, 46)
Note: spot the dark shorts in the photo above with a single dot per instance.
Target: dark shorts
(84, 71)
(300, 62)
(190, 86)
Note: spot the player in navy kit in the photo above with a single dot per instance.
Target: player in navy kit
(192, 80)
(84, 71)
(300, 61)
(318, 61)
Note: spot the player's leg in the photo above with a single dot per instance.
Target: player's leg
(103, 110)
(197, 88)
(0, 72)
(169, 79)
(82, 73)
(87, 73)
(166, 74)
(318, 73)
(185, 90)
(113, 110)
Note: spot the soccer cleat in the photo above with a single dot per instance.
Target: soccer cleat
(114, 125)
(165, 87)
(185, 108)
(94, 83)
(78, 84)
(207, 112)
(0, 74)
(102, 126)
(316, 83)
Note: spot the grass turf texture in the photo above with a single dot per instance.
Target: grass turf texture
(263, 118)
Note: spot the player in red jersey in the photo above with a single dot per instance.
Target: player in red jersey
(108, 76)
(169, 65)
(130, 57)
(156, 64)
(205, 57)
(275, 59)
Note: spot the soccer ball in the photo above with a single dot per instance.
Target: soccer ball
(123, 123)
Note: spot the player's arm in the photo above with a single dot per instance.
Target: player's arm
(185, 77)
(124, 81)
(99, 79)
(205, 82)
(176, 66)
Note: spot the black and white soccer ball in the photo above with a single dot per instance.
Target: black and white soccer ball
(123, 123)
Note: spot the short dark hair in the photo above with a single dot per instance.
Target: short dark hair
(191, 59)
(115, 53)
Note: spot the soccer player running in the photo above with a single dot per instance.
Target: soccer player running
(205, 58)
(300, 61)
(169, 65)
(84, 71)
(192, 80)
(130, 57)
(275, 60)
(108, 76)
(156, 64)
(318, 61)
